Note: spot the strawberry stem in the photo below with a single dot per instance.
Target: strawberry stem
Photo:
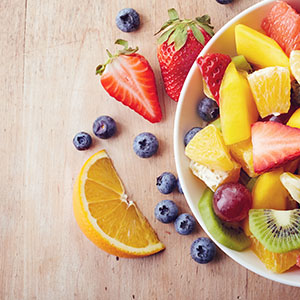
(126, 51)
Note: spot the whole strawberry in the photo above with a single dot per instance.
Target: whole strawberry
(128, 77)
(180, 43)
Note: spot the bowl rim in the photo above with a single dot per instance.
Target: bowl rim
(177, 138)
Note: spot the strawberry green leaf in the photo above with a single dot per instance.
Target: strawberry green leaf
(173, 15)
(204, 19)
(207, 28)
(197, 34)
(165, 35)
(180, 39)
(165, 25)
(178, 31)
(122, 43)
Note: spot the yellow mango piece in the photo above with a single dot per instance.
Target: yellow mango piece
(258, 48)
(242, 152)
(207, 148)
(271, 89)
(237, 107)
(214, 178)
(294, 120)
(269, 192)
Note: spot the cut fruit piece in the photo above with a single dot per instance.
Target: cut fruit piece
(207, 148)
(214, 178)
(283, 25)
(295, 64)
(268, 191)
(277, 230)
(271, 88)
(217, 124)
(207, 91)
(276, 262)
(291, 166)
(241, 63)
(237, 108)
(258, 48)
(273, 145)
(106, 217)
(227, 234)
(242, 152)
(292, 183)
(294, 120)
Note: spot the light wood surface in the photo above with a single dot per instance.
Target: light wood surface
(49, 51)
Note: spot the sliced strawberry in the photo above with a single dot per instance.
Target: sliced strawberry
(180, 43)
(129, 78)
(273, 145)
(212, 67)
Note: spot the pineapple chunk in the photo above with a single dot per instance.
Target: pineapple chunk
(207, 148)
(214, 178)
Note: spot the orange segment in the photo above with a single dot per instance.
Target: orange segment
(295, 64)
(99, 172)
(276, 262)
(104, 214)
(271, 88)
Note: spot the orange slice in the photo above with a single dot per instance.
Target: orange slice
(276, 262)
(271, 89)
(104, 214)
(295, 64)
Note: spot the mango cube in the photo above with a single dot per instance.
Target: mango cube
(237, 107)
(258, 48)
(269, 192)
(242, 152)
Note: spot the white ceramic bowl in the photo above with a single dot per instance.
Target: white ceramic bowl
(186, 118)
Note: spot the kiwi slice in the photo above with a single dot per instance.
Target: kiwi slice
(277, 230)
(227, 234)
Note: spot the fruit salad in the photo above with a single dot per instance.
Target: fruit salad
(249, 153)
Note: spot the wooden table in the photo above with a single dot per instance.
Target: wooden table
(49, 51)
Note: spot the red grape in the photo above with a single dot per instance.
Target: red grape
(232, 202)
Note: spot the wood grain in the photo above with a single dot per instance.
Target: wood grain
(49, 51)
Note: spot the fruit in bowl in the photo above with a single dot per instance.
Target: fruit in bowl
(251, 82)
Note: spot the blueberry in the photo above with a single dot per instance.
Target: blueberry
(184, 224)
(179, 188)
(166, 211)
(145, 144)
(104, 127)
(208, 109)
(203, 250)
(128, 20)
(190, 134)
(166, 183)
(82, 141)
(224, 1)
